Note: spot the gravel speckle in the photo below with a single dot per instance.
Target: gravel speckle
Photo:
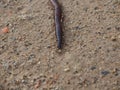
(89, 59)
(105, 73)
(93, 68)
(67, 69)
(113, 38)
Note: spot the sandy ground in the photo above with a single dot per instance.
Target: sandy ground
(89, 60)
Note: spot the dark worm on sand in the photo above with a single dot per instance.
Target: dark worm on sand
(58, 26)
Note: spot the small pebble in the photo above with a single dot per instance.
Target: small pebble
(77, 28)
(37, 85)
(4, 30)
(113, 38)
(96, 8)
(31, 56)
(105, 73)
(23, 81)
(109, 28)
(93, 68)
(39, 62)
(67, 69)
(59, 50)
(116, 72)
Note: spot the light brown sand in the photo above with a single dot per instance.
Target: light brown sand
(89, 60)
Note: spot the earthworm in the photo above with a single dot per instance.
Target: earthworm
(58, 26)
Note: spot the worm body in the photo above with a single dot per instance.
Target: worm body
(58, 25)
